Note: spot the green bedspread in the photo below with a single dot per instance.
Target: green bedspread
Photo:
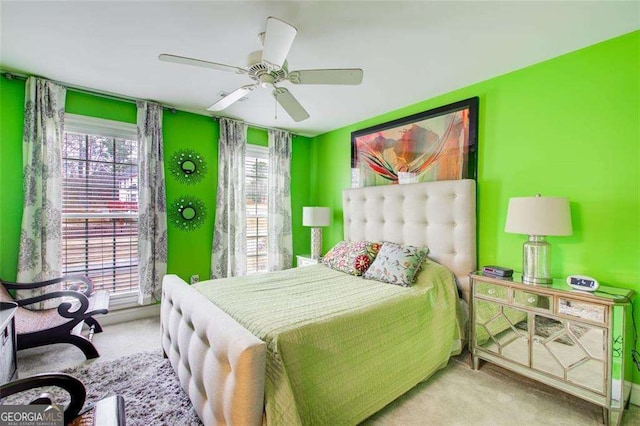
(339, 348)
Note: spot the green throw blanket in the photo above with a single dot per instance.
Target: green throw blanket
(339, 348)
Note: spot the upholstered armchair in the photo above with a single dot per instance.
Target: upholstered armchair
(64, 323)
(108, 410)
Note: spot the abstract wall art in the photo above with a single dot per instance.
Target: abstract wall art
(439, 144)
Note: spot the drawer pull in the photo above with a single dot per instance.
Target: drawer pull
(491, 291)
(531, 299)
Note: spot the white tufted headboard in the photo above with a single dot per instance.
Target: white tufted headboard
(440, 215)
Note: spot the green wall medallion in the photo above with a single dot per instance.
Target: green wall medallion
(187, 213)
(187, 166)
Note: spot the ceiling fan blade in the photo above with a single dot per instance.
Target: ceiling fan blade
(231, 98)
(290, 104)
(200, 63)
(338, 76)
(278, 38)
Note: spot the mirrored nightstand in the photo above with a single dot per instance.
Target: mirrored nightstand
(575, 341)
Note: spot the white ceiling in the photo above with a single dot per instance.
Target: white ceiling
(410, 51)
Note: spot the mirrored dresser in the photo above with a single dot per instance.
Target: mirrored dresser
(578, 342)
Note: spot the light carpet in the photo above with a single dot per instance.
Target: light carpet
(455, 395)
(150, 388)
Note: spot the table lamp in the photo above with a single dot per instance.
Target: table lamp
(316, 217)
(538, 217)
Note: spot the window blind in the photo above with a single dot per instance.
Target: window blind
(100, 206)
(256, 175)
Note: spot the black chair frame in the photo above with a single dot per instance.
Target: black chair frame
(70, 384)
(63, 333)
(77, 394)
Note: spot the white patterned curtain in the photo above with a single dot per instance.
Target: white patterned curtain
(228, 256)
(40, 235)
(152, 212)
(279, 246)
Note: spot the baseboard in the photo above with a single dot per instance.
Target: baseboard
(129, 314)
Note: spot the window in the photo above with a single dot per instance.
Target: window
(256, 168)
(100, 203)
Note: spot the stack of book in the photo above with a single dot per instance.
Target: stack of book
(497, 271)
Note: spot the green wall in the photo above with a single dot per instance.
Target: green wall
(188, 252)
(11, 121)
(569, 127)
(565, 127)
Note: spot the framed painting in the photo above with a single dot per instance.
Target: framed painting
(439, 144)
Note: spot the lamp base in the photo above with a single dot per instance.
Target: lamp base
(536, 261)
(536, 280)
(316, 243)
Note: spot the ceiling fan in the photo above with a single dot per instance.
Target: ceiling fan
(268, 66)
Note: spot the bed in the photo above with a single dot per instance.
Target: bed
(243, 364)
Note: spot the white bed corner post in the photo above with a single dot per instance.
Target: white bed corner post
(220, 364)
(440, 215)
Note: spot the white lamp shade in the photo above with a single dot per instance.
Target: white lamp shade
(316, 216)
(539, 216)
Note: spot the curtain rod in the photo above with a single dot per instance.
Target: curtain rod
(256, 126)
(9, 75)
(17, 76)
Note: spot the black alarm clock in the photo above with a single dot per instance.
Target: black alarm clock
(583, 282)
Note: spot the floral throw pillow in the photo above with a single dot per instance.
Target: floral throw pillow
(397, 264)
(351, 257)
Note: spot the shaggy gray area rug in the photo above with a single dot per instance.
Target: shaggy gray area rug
(151, 390)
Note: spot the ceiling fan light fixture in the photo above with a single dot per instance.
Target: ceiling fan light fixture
(267, 80)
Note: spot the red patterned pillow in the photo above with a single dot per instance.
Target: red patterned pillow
(351, 257)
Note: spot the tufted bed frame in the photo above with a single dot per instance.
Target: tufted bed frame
(221, 365)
